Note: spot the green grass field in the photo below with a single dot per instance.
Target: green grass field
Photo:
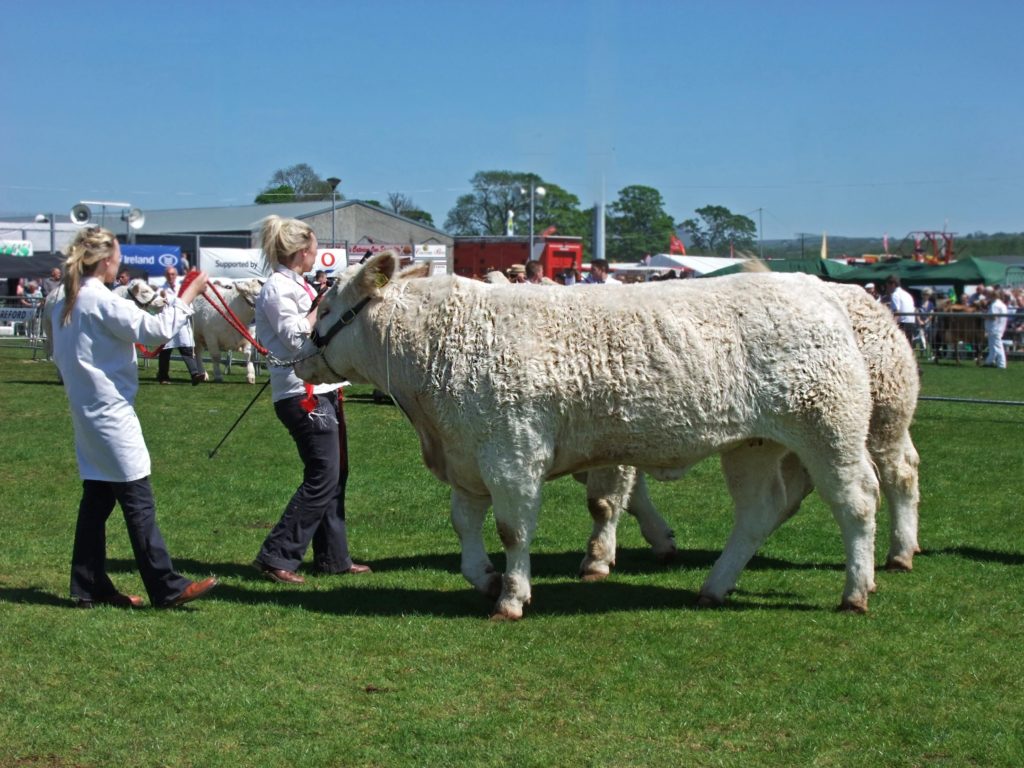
(402, 668)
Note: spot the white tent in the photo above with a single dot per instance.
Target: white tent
(700, 265)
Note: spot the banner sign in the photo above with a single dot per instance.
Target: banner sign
(151, 259)
(16, 248)
(361, 251)
(435, 253)
(242, 263)
(232, 263)
(331, 260)
(16, 314)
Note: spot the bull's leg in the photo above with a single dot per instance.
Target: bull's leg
(516, 505)
(608, 489)
(851, 490)
(250, 369)
(468, 521)
(218, 375)
(752, 474)
(898, 472)
(655, 530)
(199, 350)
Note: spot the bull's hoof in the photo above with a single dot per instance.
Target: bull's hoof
(506, 613)
(594, 575)
(853, 606)
(899, 563)
(709, 601)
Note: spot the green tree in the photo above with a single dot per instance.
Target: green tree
(484, 211)
(403, 205)
(716, 227)
(637, 224)
(303, 183)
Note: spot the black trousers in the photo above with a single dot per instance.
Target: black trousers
(316, 511)
(163, 368)
(89, 580)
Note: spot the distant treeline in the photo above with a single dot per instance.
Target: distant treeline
(978, 244)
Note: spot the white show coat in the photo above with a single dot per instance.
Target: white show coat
(95, 353)
(281, 327)
(184, 337)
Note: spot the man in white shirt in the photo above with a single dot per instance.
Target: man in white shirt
(995, 326)
(183, 340)
(902, 305)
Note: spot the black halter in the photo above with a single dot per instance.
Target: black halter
(346, 317)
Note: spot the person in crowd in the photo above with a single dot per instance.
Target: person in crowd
(320, 282)
(516, 273)
(94, 333)
(534, 272)
(52, 282)
(600, 274)
(183, 340)
(925, 319)
(902, 305)
(32, 297)
(872, 291)
(992, 302)
(313, 416)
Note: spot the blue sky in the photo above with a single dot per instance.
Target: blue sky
(851, 118)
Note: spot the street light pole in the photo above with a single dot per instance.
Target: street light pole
(334, 181)
(534, 190)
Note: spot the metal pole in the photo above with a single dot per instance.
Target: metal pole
(530, 256)
(334, 181)
(760, 231)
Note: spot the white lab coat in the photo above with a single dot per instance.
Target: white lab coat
(95, 353)
(184, 337)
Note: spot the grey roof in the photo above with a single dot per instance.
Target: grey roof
(243, 218)
(246, 218)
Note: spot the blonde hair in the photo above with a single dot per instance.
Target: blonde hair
(85, 253)
(281, 239)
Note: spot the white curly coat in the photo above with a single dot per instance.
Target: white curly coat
(508, 386)
(212, 331)
(894, 384)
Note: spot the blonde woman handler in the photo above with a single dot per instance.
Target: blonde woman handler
(94, 336)
(316, 511)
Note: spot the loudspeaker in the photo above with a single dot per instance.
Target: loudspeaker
(80, 214)
(135, 218)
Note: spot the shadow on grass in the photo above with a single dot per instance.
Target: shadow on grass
(33, 596)
(980, 555)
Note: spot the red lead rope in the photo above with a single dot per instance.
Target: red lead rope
(230, 317)
(222, 309)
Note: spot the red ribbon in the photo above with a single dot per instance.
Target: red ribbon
(308, 403)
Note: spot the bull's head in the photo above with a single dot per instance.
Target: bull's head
(146, 296)
(339, 339)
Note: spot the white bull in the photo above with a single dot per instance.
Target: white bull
(508, 386)
(212, 331)
(894, 383)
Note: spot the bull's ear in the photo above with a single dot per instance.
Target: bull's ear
(415, 270)
(377, 272)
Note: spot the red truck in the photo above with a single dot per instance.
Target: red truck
(476, 256)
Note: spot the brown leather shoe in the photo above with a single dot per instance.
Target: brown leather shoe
(117, 600)
(192, 591)
(357, 569)
(279, 575)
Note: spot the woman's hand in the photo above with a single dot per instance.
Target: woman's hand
(194, 288)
